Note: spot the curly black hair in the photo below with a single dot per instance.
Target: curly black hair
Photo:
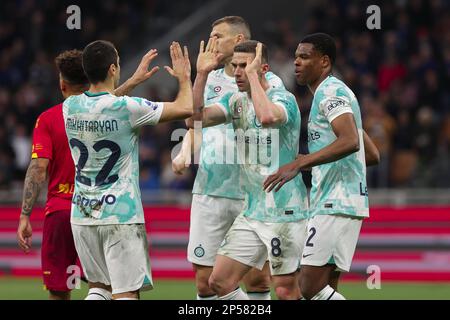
(69, 64)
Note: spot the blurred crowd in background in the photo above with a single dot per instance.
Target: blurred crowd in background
(400, 75)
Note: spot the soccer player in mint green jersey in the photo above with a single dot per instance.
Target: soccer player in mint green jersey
(272, 226)
(337, 142)
(102, 129)
(217, 195)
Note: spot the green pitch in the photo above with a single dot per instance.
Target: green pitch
(32, 289)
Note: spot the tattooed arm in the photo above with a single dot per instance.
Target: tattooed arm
(34, 180)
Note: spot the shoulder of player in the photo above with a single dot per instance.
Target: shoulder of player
(126, 100)
(331, 86)
(281, 93)
(333, 89)
(50, 112)
(216, 74)
(74, 99)
(274, 80)
(136, 102)
(271, 76)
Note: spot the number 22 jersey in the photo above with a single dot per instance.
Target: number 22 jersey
(102, 131)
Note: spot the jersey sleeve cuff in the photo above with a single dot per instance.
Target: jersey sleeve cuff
(334, 116)
(285, 111)
(224, 110)
(36, 155)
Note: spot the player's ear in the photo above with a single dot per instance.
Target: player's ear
(264, 68)
(112, 69)
(239, 38)
(326, 61)
(62, 84)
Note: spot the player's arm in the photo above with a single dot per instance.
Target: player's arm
(35, 179)
(182, 107)
(183, 159)
(206, 62)
(191, 145)
(198, 92)
(347, 142)
(371, 151)
(140, 75)
(210, 116)
(268, 113)
(208, 59)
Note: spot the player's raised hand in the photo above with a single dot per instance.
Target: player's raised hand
(181, 66)
(255, 64)
(142, 73)
(24, 233)
(283, 175)
(208, 58)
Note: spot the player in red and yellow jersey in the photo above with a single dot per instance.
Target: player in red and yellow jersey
(51, 160)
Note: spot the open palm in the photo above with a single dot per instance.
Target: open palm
(208, 58)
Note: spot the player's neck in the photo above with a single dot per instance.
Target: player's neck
(69, 93)
(102, 87)
(264, 83)
(228, 68)
(314, 85)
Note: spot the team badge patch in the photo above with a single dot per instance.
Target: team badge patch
(199, 251)
(237, 111)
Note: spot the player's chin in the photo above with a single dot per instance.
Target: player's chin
(241, 86)
(300, 80)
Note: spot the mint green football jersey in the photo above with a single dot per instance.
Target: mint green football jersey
(261, 151)
(102, 130)
(338, 187)
(218, 171)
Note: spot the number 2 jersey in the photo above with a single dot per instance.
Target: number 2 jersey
(338, 187)
(102, 131)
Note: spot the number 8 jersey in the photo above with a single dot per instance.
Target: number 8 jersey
(102, 130)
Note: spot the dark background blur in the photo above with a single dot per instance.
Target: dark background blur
(400, 73)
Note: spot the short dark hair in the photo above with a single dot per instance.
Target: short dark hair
(237, 23)
(98, 56)
(69, 64)
(323, 43)
(249, 46)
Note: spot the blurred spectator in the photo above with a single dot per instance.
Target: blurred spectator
(425, 144)
(21, 143)
(390, 70)
(381, 127)
(7, 156)
(442, 165)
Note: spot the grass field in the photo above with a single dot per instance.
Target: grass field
(32, 289)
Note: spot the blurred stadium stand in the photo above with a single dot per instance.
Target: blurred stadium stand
(400, 75)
